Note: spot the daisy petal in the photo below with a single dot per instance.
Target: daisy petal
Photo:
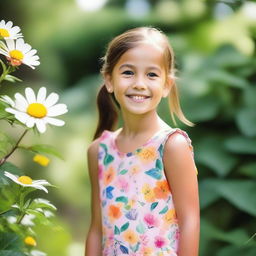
(8, 100)
(11, 110)
(51, 99)
(9, 24)
(21, 103)
(41, 188)
(40, 125)
(20, 44)
(10, 44)
(41, 95)
(30, 95)
(11, 176)
(54, 121)
(30, 122)
(57, 110)
(22, 117)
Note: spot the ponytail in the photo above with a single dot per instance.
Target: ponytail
(108, 112)
(175, 108)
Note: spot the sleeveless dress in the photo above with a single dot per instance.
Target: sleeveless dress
(138, 214)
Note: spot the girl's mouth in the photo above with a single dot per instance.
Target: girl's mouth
(138, 98)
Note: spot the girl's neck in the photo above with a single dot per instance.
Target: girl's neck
(141, 124)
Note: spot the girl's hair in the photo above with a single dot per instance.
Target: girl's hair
(108, 107)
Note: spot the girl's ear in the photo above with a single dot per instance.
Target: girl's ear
(168, 86)
(108, 83)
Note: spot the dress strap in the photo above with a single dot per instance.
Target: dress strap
(173, 130)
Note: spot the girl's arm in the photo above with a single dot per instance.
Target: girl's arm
(181, 174)
(93, 241)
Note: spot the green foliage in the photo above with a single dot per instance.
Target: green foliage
(220, 96)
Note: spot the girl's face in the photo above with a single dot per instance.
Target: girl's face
(139, 79)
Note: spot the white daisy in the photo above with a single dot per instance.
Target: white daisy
(37, 110)
(37, 253)
(26, 181)
(18, 52)
(7, 31)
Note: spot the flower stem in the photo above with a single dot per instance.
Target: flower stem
(6, 71)
(2, 161)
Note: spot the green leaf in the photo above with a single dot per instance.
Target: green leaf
(12, 79)
(154, 173)
(246, 121)
(159, 164)
(248, 169)
(117, 231)
(11, 253)
(237, 250)
(207, 194)
(41, 203)
(43, 148)
(8, 167)
(2, 45)
(201, 108)
(9, 241)
(228, 79)
(164, 210)
(124, 171)
(153, 206)
(40, 217)
(122, 199)
(6, 144)
(108, 159)
(240, 144)
(238, 193)
(216, 157)
(125, 226)
(235, 237)
(140, 228)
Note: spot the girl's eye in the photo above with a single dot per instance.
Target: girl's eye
(152, 74)
(127, 72)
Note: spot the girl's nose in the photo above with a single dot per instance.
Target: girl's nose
(139, 83)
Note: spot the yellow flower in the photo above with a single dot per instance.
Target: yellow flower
(26, 181)
(8, 31)
(29, 240)
(42, 160)
(148, 192)
(37, 109)
(147, 154)
(147, 251)
(170, 217)
(135, 169)
(130, 237)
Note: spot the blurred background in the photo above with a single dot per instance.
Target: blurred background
(214, 43)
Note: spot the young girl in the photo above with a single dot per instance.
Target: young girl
(143, 175)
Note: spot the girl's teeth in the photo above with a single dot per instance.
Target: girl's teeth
(138, 97)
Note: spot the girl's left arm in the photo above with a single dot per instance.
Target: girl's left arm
(181, 174)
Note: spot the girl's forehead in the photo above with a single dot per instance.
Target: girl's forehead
(143, 53)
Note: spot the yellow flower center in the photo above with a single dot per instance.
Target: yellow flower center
(42, 160)
(4, 32)
(37, 110)
(30, 241)
(16, 54)
(25, 179)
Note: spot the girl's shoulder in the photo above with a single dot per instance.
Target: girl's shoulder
(177, 139)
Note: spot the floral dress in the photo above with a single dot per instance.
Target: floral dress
(138, 214)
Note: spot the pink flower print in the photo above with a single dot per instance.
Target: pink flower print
(104, 135)
(151, 220)
(160, 241)
(100, 172)
(144, 239)
(123, 184)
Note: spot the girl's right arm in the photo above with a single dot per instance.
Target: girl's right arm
(94, 236)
